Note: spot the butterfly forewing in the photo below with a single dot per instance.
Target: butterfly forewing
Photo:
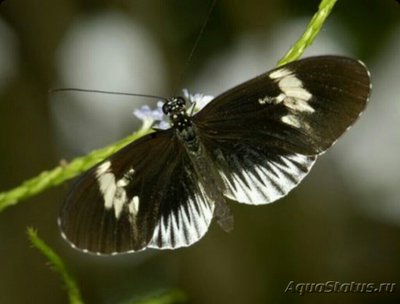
(302, 107)
(145, 195)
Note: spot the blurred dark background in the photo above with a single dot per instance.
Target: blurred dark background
(342, 223)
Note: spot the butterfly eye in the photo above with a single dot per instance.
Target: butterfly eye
(180, 101)
(166, 108)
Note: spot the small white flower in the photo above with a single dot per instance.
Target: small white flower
(146, 113)
(198, 99)
(152, 118)
(156, 117)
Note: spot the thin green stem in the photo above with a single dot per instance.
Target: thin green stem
(57, 265)
(62, 173)
(312, 30)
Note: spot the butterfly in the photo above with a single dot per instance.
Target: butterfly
(252, 144)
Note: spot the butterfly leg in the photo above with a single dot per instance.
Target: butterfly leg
(192, 107)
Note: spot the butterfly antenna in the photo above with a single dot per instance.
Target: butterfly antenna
(196, 43)
(105, 92)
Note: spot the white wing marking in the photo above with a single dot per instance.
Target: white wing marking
(263, 184)
(184, 227)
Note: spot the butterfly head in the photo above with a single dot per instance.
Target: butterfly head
(175, 109)
(174, 105)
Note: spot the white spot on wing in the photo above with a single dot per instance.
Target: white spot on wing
(119, 201)
(272, 100)
(133, 206)
(294, 95)
(113, 191)
(290, 81)
(298, 105)
(103, 168)
(291, 120)
(266, 99)
(280, 73)
(107, 188)
(122, 182)
(298, 93)
(281, 97)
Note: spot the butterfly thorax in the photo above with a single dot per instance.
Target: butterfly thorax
(175, 109)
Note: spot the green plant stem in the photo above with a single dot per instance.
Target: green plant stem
(57, 265)
(62, 173)
(312, 30)
(74, 294)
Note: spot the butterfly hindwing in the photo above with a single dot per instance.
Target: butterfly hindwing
(253, 171)
(145, 195)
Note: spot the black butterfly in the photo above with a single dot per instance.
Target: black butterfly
(252, 144)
